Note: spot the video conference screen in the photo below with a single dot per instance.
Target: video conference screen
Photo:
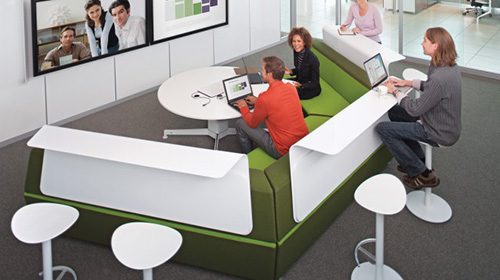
(71, 32)
(174, 18)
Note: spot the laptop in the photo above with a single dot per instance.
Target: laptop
(377, 73)
(237, 88)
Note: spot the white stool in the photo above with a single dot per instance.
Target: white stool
(383, 194)
(143, 246)
(40, 223)
(426, 205)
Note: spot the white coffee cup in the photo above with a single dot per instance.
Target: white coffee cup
(382, 90)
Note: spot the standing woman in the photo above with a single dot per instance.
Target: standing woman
(367, 19)
(100, 29)
(434, 118)
(306, 64)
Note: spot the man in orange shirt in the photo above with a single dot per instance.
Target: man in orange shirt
(279, 106)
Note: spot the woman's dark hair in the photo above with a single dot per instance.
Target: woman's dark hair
(445, 53)
(303, 33)
(88, 5)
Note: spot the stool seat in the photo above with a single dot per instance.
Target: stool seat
(142, 246)
(412, 74)
(383, 194)
(40, 222)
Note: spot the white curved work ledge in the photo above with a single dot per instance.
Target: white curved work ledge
(358, 48)
(190, 185)
(322, 160)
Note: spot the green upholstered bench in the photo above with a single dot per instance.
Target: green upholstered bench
(259, 159)
(276, 240)
(338, 87)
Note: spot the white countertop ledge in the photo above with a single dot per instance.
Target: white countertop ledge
(177, 158)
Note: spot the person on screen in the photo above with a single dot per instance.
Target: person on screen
(100, 29)
(130, 30)
(279, 107)
(306, 64)
(68, 52)
(434, 118)
(367, 19)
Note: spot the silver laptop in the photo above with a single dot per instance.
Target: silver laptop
(237, 88)
(377, 73)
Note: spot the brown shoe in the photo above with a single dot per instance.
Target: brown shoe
(400, 169)
(418, 182)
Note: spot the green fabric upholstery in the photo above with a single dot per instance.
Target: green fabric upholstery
(259, 160)
(328, 103)
(350, 88)
(350, 68)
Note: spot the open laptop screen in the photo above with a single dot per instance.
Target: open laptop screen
(375, 69)
(237, 87)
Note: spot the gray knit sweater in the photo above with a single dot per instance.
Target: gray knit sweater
(440, 104)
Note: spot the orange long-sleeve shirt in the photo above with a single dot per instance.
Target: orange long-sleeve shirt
(280, 107)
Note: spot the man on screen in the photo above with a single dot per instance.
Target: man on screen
(130, 30)
(68, 52)
(279, 107)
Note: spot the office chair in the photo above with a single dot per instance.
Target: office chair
(476, 6)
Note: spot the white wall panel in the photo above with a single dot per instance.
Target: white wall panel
(142, 69)
(80, 88)
(265, 23)
(233, 40)
(22, 104)
(22, 108)
(191, 52)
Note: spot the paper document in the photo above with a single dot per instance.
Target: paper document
(346, 32)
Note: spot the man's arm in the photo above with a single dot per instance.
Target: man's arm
(259, 113)
(141, 32)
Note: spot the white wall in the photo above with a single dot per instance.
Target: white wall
(27, 104)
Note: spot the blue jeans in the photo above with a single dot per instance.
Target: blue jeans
(401, 136)
(247, 135)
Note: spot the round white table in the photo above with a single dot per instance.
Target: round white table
(176, 95)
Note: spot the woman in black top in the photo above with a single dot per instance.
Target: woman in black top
(100, 29)
(306, 64)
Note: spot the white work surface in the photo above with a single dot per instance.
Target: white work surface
(179, 183)
(358, 48)
(323, 159)
(175, 94)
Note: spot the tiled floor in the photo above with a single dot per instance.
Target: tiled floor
(477, 44)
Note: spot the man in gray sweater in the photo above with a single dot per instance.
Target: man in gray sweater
(434, 118)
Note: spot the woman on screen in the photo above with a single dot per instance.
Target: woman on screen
(100, 29)
(306, 64)
(367, 19)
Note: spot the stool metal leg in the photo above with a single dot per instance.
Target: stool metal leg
(148, 274)
(379, 271)
(47, 260)
(379, 247)
(426, 205)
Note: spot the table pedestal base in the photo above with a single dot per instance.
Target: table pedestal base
(216, 129)
(367, 270)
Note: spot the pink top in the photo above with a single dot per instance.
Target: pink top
(370, 24)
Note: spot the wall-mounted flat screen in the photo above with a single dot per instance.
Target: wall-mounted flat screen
(71, 32)
(175, 18)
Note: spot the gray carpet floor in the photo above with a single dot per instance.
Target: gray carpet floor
(466, 247)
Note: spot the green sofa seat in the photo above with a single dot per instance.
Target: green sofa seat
(328, 103)
(260, 160)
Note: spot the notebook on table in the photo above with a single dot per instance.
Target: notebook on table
(377, 73)
(237, 88)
